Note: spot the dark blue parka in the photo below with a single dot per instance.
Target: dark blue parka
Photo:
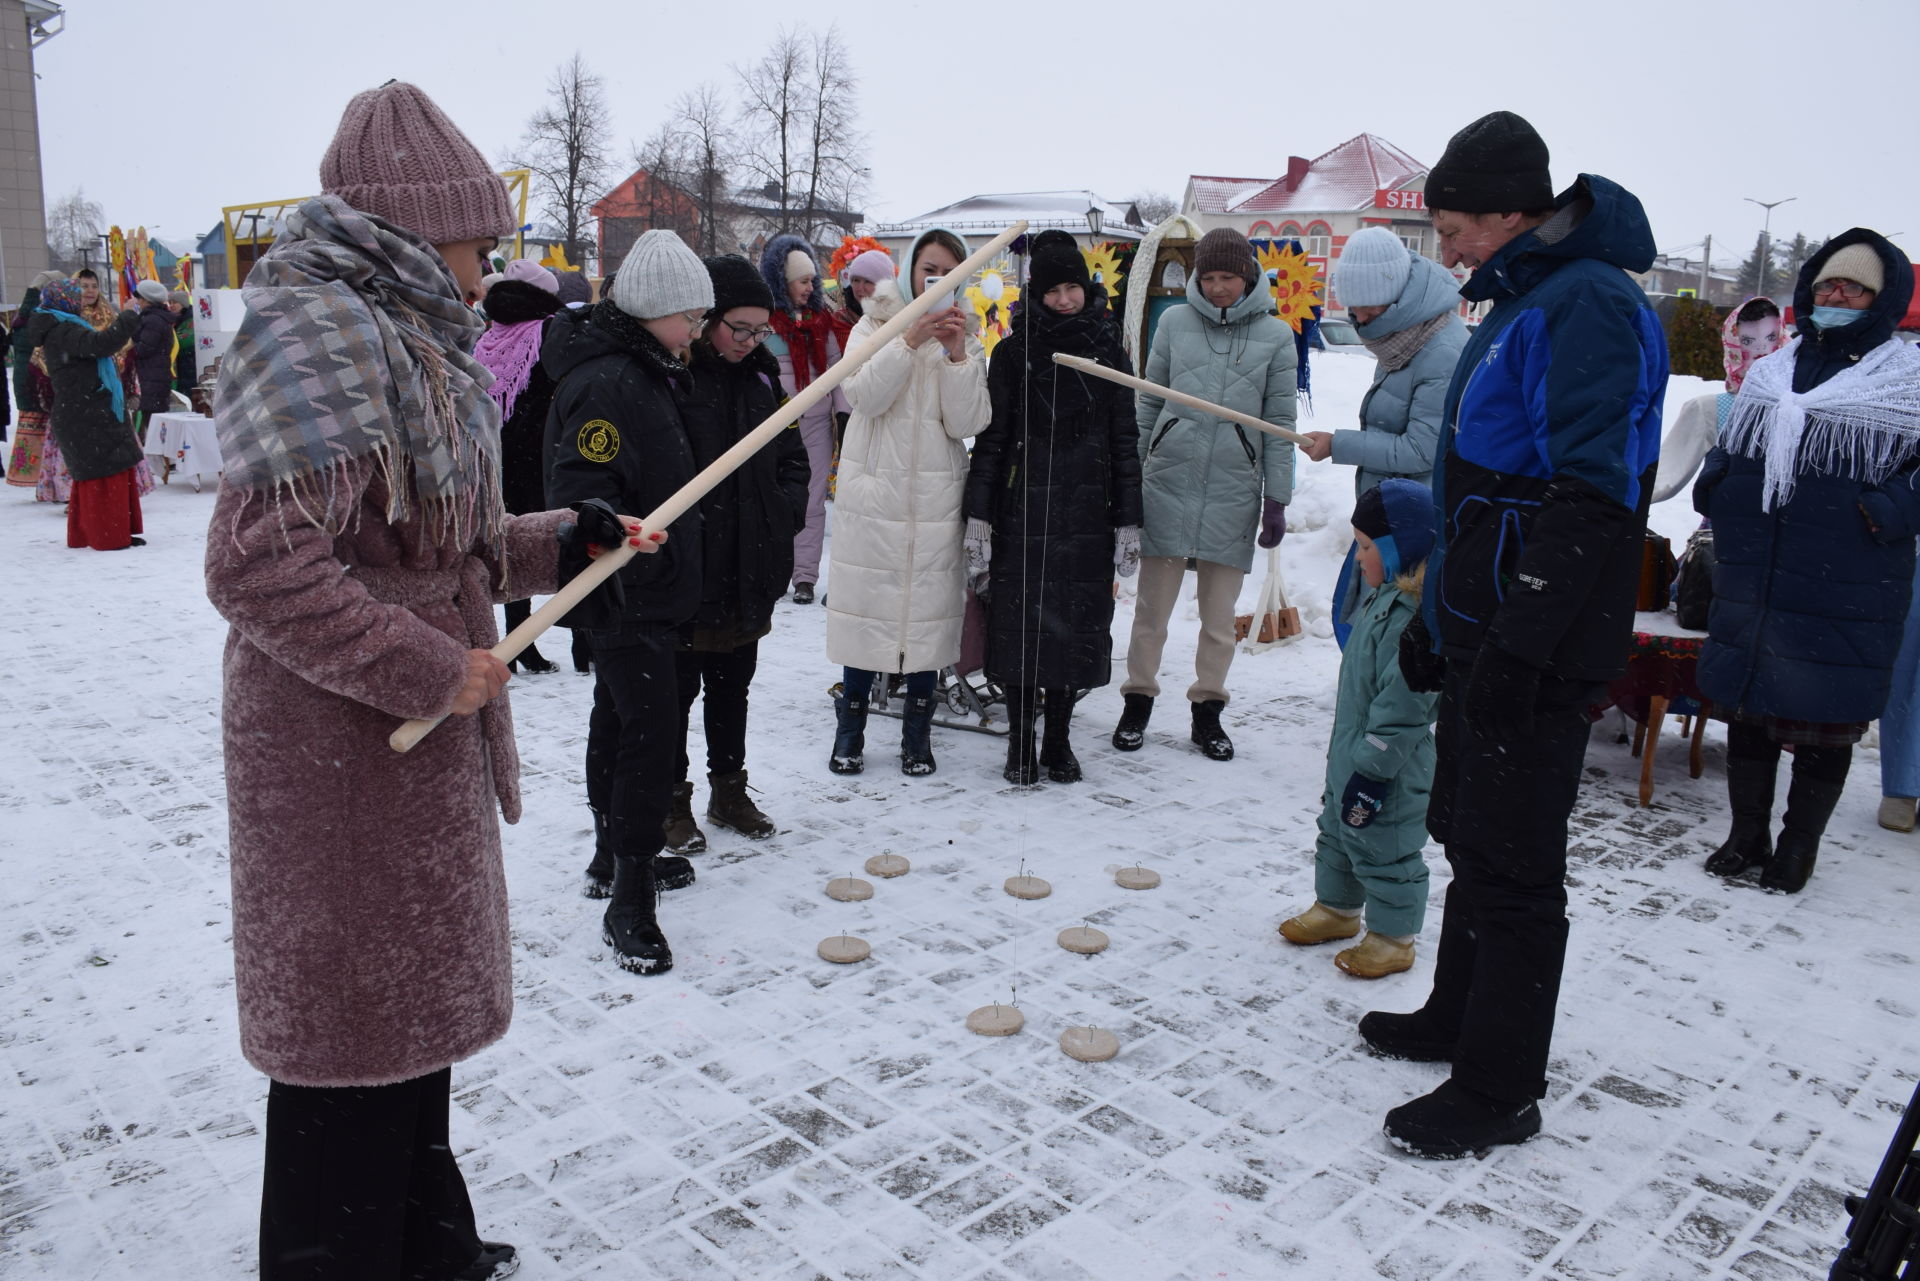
(1552, 437)
(1810, 599)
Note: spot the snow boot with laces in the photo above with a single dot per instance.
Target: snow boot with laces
(1750, 782)
(916, 735)
(683, 834)
(730, 807)
(600, 870)
(1207, 734)
(1056, 753)
(1131, 732)
(631, 927)
(1023, 763)
(849, 736)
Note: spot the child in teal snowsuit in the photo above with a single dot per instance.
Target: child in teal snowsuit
(1373, 824)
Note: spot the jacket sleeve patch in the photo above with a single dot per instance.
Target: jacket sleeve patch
(599, 441)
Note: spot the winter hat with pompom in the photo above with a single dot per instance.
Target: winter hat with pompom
(397, 156)
(661, 276)
(1372, 269)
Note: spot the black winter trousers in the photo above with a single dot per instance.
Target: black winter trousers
(724, 677)
(631, 736)
(361, 1185)
(1500, 810)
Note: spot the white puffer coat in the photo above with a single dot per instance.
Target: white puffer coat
(897, 584)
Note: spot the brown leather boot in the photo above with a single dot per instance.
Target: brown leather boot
(683, 834)
(731, 808)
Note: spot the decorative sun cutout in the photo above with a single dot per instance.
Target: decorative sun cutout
(992, 296)
(850, 248)
(1104, 266)
(1297, 289)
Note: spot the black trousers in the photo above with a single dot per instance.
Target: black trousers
(361, 1185)
(725, 678)
(1500, 810)
(1752, 742)
(631, 737)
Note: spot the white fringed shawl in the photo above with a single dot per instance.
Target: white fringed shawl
(1862, 423)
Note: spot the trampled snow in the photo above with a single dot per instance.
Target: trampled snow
(1728, 1064)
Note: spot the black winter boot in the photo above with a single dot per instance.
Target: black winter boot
(916, 736)
(1411, 1036)
(1056, 753)
(672, 872)
(1131, 732)
(1750, 783)
(600, 870)
(496, 1262)
(850, 736)
(730, 807)
(582, 653)
(1453, 1122)
(1811, 799)
(1207, 734)
(1023, 763)
(630, 927)
(683, 834)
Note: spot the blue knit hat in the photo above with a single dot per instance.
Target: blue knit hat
(1398, 516)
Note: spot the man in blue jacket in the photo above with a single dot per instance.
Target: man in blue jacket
(1551, 436)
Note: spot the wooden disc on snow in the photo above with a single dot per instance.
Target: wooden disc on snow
(844, 949)
(849, 889)
(888, 865)
(1028, 887)
(1089, 1044)
(996, 1020)
(1083, 939)
(1136, 878)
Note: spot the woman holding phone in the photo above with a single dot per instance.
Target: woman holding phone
(898, 583)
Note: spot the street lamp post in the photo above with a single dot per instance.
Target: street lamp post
(1096, 219)
(1766, 241)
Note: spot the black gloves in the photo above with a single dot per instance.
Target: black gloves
(597, 524)
(1420, 667)
(1360, 803)
(1500, 695)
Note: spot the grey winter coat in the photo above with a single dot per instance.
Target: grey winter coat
(1401, 414)
(1201, 478)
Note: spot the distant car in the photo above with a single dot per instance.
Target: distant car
(1335, 334)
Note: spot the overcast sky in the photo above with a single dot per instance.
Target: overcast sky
(167, 111)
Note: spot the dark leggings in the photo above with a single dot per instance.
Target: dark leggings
(1752, 742)
(860, 681)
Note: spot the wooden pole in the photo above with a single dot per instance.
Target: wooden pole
(1098, 370)
(720, 468)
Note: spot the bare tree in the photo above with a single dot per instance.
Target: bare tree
(798, 130)
(74, 223)
(707, 151)
(566, 146)
(1155, 206)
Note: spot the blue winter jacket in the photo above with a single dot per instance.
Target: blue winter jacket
(1553, 437)
(1810, 599)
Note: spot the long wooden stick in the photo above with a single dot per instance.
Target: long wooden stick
(1098, 370)
(720, 468)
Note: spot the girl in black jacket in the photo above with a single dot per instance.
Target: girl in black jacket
(89, 419)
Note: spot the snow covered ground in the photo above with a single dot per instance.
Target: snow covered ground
(1728, 1064)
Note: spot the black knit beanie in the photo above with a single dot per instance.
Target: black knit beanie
(1497, 164)
(1056, 261)
(1224, 249)
(736, 283)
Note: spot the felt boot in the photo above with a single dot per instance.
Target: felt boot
(850, 736)
(1131, 732)
(630, 926)
(1023, 763)
(1207, 734)
(1319, 924)
(1453, 1122)
(1749, 845)
(730, 807)
(1810, 803)
(1056, 753)
(600, 870)
(916, 735)
(1375, 957)
(1413, 1037)
(1897, 813)
(683, 834)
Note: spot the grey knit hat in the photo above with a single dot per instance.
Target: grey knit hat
(398, 157)
(151, 290)
(661, 276)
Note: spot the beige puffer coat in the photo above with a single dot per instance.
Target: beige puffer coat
(896, 590)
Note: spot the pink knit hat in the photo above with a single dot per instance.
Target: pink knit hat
(529, 272)
(872, 265)
(397, 156)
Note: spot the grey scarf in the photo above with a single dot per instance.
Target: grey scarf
(355, 345)
(1394, 350)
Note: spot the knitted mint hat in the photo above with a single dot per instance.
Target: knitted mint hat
(1372, 269)
(661, 276)
(397, 156)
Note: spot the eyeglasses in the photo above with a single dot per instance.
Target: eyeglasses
(696, 319)
(748, 333)
(1851, 290)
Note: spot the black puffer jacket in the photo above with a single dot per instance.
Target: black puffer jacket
(1055, 472)
(522, 475)
(614, 432)
(153, 357)
(93, 441)
(748, 522)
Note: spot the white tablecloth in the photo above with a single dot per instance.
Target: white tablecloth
(187, 441)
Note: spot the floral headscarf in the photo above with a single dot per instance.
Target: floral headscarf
(1738, 357)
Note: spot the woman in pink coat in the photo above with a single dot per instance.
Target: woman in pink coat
(357, 548)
